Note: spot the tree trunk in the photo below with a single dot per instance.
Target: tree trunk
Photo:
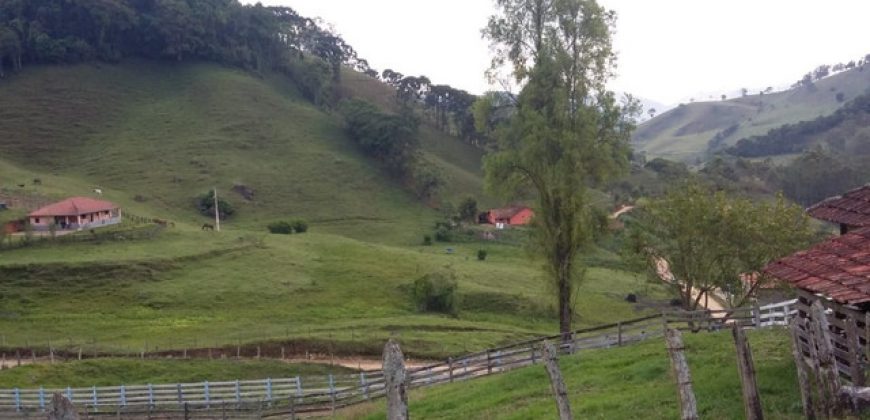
(565, 312)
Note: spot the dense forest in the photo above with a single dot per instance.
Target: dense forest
(252, 37)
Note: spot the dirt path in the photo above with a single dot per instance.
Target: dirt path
(663, 270)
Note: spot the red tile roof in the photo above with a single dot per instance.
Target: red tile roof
(507, 212)
(73, 207)
(852, 208)
(838, 268)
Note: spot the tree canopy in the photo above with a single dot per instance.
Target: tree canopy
(567, 133)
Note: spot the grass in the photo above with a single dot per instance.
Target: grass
(621, 384)
(164, 133)
(114, 372)
(684, 133)
(313, 288)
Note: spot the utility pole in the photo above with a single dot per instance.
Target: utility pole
(217, 217)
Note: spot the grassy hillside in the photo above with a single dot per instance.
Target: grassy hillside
(621, 384)
(689, 131)
(163, 133)
(194, 289)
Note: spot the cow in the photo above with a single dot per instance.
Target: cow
(207, 226)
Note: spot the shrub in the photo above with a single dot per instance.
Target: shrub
(442, 234)
(282, 228)
(300, 226)
(481, 254)
(205, 204)
(435, 292)
(427, 240)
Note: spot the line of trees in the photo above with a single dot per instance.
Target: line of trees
(254, 37)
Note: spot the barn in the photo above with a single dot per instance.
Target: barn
(850, 210)
(510, 216)
(75, 213)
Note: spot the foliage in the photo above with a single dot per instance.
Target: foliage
(427, 240)
(300, 226)
(817, 175)
(481, 254)
(567, 133)
(467, 211)
(282, 228)
(391, 139)
(436, 292)
(225, 31)
(205, 204)
(708, 239)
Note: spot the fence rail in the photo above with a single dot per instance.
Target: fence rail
(290, 396)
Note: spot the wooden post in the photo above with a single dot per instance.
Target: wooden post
(867, 336)
(488, 362)
(856, 358)
(282, 353)
(803, 376)
(450, 367)
(688, 405)
(217, 218)
(619, 334)
(62, 408)
(828, 375)
(756, 316)
(746, 367)
(80, 352)
(395, 379)
(18, 358)
(557, 383)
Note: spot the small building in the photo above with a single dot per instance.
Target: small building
(510, 216)
(850, 210)
(75, 213)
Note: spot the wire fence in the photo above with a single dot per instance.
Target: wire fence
(325, 394)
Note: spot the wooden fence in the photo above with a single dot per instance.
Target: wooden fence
(292, 396)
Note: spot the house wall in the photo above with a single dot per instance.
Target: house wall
(84, 221)
(523, 217)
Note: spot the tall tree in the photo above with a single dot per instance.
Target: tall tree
(568, 132)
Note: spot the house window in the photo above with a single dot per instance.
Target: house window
(36, 220)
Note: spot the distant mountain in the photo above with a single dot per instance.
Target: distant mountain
(692, 132)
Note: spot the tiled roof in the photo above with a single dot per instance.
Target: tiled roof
(73, 207)
(838, 268)
(507, 212)
(852, 208)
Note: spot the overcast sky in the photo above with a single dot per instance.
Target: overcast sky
(669, 50)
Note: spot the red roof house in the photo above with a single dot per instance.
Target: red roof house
(850, 210)
(515, 215)
(838, 268)
(76, 213)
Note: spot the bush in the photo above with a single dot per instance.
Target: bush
(435, 292)
(205, 204)
(481, 254)
(442, 234)
(282, 228)
(300, 226)
(427, 240)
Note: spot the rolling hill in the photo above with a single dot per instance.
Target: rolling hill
(153, 135)
(692, 131)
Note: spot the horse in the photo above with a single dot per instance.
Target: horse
(164, 222)
(98, 191)
(207, 226)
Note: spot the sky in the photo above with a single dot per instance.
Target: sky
(668, 50)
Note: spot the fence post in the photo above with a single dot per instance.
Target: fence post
(395, 378)
(619, 334)
(488, 362)
(853, 344)
(123, 396)
(688, 405)
(803, 376)
(238, 393)
(534, 358)
(269, 390)
(206, 394)
(42, 398)
(18, 358)
(746, 367)
(180, 395)
(557, 383)
(95, 401)
(17, 396)
(299, 392)
(332, 393)
(80, 353)
(363, 384)
(450, 366)
(828, 372)
(150, 395)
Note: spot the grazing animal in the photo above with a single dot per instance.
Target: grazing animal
(20, 185)
(37, 181)
(207, 226)
(98, 191)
